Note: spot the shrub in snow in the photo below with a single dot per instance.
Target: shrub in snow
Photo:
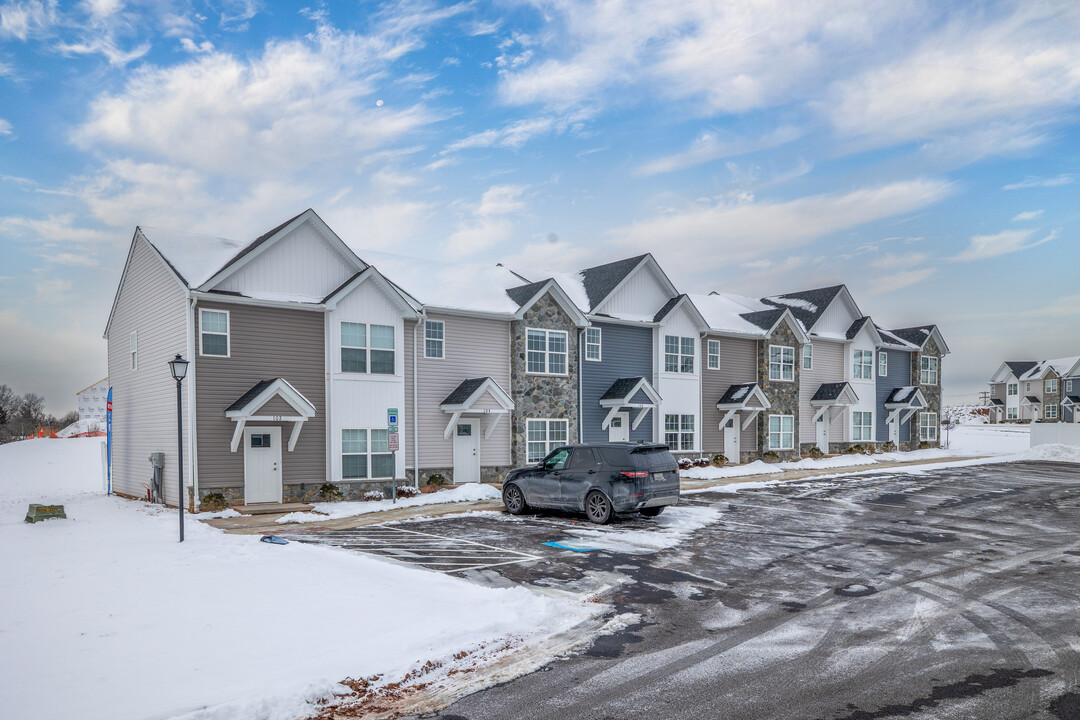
(770, 457)
(719, 460)
(373, 496)
(856, 450)
(329, 492)
(436, 480)
(926, 445)
(685, 464)
(701, 462)
(889, 447)
(407, 491)
(214, 502)
(815, 452)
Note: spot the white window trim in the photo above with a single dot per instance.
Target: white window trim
(1012, 389)
(883, 364)
(865, 366)
(367, 351)
(780, 377)
(549, 445)
(1046, 385)
(923, 426)
(680, 355)
(681, 433)
(869, 427)
(810, 356)
(710, 355)
(927, 372)
(1068, 386)
(599, 344)
(442, 341)
(368, 454)
(1012, 413)
(133, 350)
(228, 332)
(1051, 411)
(547, 353)
(781, 432)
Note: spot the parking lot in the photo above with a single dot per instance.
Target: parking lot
(950, 594)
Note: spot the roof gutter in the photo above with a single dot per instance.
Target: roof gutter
(244, 300)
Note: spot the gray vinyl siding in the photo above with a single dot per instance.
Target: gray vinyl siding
(152, 303)
(264, 343)
(828, 367)
(473, 348)
(738, 364)
(625, 351)
(998, 390)
(899, 376)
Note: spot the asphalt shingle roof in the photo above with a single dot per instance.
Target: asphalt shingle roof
(668, 307)
(1020, 367)
(996, 403)
(1032, 399)
(524, 293)
(819, 298)
(829, 391)
(600, 280)
(736, 394)
(464, 391)
(856, 327)
(250, 395)
(901, 394)
(764, 319)
(621, 388)
(915, 335)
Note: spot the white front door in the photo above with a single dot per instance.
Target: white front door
(894, 432)
(732, 438)
(262, 465)
(619, 429)
(823, 433)
(467, 451)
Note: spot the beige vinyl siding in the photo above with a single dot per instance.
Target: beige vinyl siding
(738, 364)
(264, 343)
(474, 347)
(828, 367)
(152, 303)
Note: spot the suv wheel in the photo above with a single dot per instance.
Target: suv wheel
(598, 508)
(514, 500)
(652, 512)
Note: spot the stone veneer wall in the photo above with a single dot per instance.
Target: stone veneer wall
(784, 396)
(542, 396)
(488, 474)
(932, 393)
(1053, 398)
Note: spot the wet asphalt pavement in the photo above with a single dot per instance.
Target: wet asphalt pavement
(951, 594)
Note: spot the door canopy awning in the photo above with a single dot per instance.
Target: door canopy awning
(902, 403)
(635, 393)
(745, 398)
(1071, 401)
(477, 396)
(831, 398)
(249, 406)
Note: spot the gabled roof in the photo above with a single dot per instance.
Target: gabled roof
(1061, 366)
(527, 295)
(1073, 400)
(524, 293)
(623, 390)
(679, 301)
(465, 395)
(890, 338)
(865, 322)
(1019, 368)
(1031, 400)
(737, 396)
(909, 396)
(370, 274)
(838, 393)
(919, 335)
(601, 280)
(807, 305)
(996, 403)
(765, 319)
(261, 392)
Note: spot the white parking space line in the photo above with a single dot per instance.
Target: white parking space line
(435, 552)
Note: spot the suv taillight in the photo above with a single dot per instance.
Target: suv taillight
(633, 475)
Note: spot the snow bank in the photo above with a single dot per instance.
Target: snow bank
(666, 530)
(106, 615)
(331, 511)
(716, 473)
(1054, 452)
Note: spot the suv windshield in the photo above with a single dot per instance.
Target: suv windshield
(654, 460)
(556, 459)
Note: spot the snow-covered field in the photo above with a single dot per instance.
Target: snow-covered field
(106, 615)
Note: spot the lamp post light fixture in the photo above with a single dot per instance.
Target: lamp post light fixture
(178, 367)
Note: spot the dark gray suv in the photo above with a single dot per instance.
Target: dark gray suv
(599, 480)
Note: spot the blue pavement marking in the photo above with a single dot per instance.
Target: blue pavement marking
(567, 547)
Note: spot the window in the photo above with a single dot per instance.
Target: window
(1010, 413)
(260, 440)
(714, 355)
(434, 338)
(133, 344)
(862, 426)
(807, 357)
(366, 454)
(678, 354)
(583, 459)
(864, 365)
(679, 432)
(358, 355)
(928, 370)
(214, 333)
(781, 432)
(1051, 411)
(543, 436)
(1027, 387)
(1012, 388)
(781, 363)
(1068, 386)
(928, 426)
(592, 344)
(882, 364)
(1051, 385)
(545, 353)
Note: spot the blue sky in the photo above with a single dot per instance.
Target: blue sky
(925, 153)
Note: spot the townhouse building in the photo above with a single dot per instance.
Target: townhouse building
(1028, 391)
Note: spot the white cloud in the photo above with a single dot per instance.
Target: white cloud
(189, 46)
(489, 223)
(709, 146)
(23, 20)
(5, 127)
(709, 235)
(1036, 182)
(1003, 243)
(1029, 215)
(892, 282)
(513, 135)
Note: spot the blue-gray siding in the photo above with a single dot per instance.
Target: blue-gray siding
(625, 351)
(899, 375)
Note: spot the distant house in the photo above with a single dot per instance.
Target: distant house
(1028, 391)
(91, 402)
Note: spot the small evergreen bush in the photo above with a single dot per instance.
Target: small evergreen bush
(329, 492)
(407, 491)
(214, 502)
(719, 460)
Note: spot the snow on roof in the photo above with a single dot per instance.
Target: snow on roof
(195, 257)
(741, 393)
(902, 394)
(1060, 365)
(893, 339)
(479, 287)
(724, 312)
(573, 283)
(794, 303)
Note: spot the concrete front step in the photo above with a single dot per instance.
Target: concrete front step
(272, 508)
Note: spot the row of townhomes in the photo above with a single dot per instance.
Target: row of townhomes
(299, 348)
(1036, 391)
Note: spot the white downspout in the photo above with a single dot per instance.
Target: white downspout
(415, 420)
(328, 393)
(192, 445)
(580, 392)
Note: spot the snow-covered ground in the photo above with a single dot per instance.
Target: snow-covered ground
(106, 615)
(333, 510)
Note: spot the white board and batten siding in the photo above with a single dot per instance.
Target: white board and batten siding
(829, 366)
(360, 400)
(836, 319)
(641, 297)
(866, 389)
(152, 303)
(680, 392)
(473, 347)
(302, 264)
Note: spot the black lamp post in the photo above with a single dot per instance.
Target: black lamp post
(178, 368)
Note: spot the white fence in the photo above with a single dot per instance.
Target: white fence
(1059, 433)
